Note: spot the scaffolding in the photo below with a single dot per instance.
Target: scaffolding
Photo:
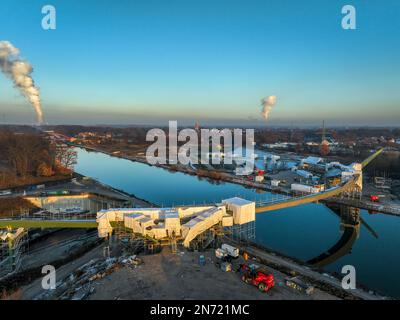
(121, 232)
(11, 249)
(243, 233)
(349, 216)
(204, 240)
(174, 246)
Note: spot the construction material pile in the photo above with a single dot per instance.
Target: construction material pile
(80, 284)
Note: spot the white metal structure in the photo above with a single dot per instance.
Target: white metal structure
(243, 210)
(160, 223)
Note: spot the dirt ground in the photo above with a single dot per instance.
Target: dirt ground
(179, 276)
(161, 276)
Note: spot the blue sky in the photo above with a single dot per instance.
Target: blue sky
(128, 62)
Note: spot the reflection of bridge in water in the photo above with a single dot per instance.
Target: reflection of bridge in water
(350, 220)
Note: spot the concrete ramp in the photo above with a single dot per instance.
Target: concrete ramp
(201, 223)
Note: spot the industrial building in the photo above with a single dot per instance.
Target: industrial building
(77, 203)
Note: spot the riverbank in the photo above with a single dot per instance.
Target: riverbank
(368, 205)
(20, 201)
(135, 200)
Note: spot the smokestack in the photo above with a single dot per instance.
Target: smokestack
(19, 71)
(267, 104)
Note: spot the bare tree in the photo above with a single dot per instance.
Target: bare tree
(66, 157)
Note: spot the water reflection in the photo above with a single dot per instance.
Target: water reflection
(350, 226)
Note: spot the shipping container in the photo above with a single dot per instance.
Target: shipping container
(232, 251)
(306, 188)
(301, 188)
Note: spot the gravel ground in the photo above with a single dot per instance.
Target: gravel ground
(179, 276)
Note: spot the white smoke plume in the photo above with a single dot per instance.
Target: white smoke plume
(267, 103)
(19, 71)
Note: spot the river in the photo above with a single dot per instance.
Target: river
(302, 232)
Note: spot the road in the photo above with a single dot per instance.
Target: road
(308, 272)
(393, 208)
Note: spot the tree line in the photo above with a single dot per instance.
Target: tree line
(24, 156)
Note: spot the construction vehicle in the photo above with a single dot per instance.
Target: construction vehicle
(252, 274)
(374, 198)
(260, 172)
(227, 252)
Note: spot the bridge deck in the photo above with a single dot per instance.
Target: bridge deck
(35, 223)
(306, 199)
(371, 158)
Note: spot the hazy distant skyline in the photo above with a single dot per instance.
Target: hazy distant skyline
(147, 62)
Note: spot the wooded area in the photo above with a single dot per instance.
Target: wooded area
(29, 158)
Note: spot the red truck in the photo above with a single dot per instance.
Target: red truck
(260, 172)
(257, 277)
(374, 198)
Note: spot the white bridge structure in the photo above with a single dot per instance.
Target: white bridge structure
(184, 223)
